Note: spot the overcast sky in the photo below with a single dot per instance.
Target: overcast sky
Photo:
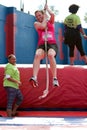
(60, 5)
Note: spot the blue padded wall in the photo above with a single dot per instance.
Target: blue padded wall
(2, 33)
(23, 39)
(26, 38)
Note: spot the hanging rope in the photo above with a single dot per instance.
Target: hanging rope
(45, 92)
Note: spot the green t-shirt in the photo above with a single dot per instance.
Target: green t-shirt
(13, 71)
(72, 21)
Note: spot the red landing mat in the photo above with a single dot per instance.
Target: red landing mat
(49, 113)
(72, 92)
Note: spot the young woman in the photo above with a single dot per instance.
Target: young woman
(41, 25)
(72, 33)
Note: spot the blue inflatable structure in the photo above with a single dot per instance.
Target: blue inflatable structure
(18, 36)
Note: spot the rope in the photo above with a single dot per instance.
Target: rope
(45, 92)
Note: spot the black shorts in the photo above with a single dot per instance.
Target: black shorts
(49, 46)
(72, 36)
(72, 39)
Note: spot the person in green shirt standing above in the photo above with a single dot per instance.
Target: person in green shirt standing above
(11, 84)
(72, 33)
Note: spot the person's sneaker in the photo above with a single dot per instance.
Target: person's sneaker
(33, 82)
(55, 82)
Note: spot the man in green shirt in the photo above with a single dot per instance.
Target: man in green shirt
(72, 33)
(11, 84)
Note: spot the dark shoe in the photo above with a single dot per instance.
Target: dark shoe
(33, 82)
(55, 83)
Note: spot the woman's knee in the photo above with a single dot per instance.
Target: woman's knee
(39, 54)
(51, 54)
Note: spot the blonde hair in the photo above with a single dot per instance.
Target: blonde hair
(41, 11)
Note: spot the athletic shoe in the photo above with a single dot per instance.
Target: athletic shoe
(33, 82)
(55, 82)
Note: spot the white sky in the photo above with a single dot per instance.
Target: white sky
(60, 5)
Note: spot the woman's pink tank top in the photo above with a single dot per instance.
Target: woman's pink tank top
(50, 35)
